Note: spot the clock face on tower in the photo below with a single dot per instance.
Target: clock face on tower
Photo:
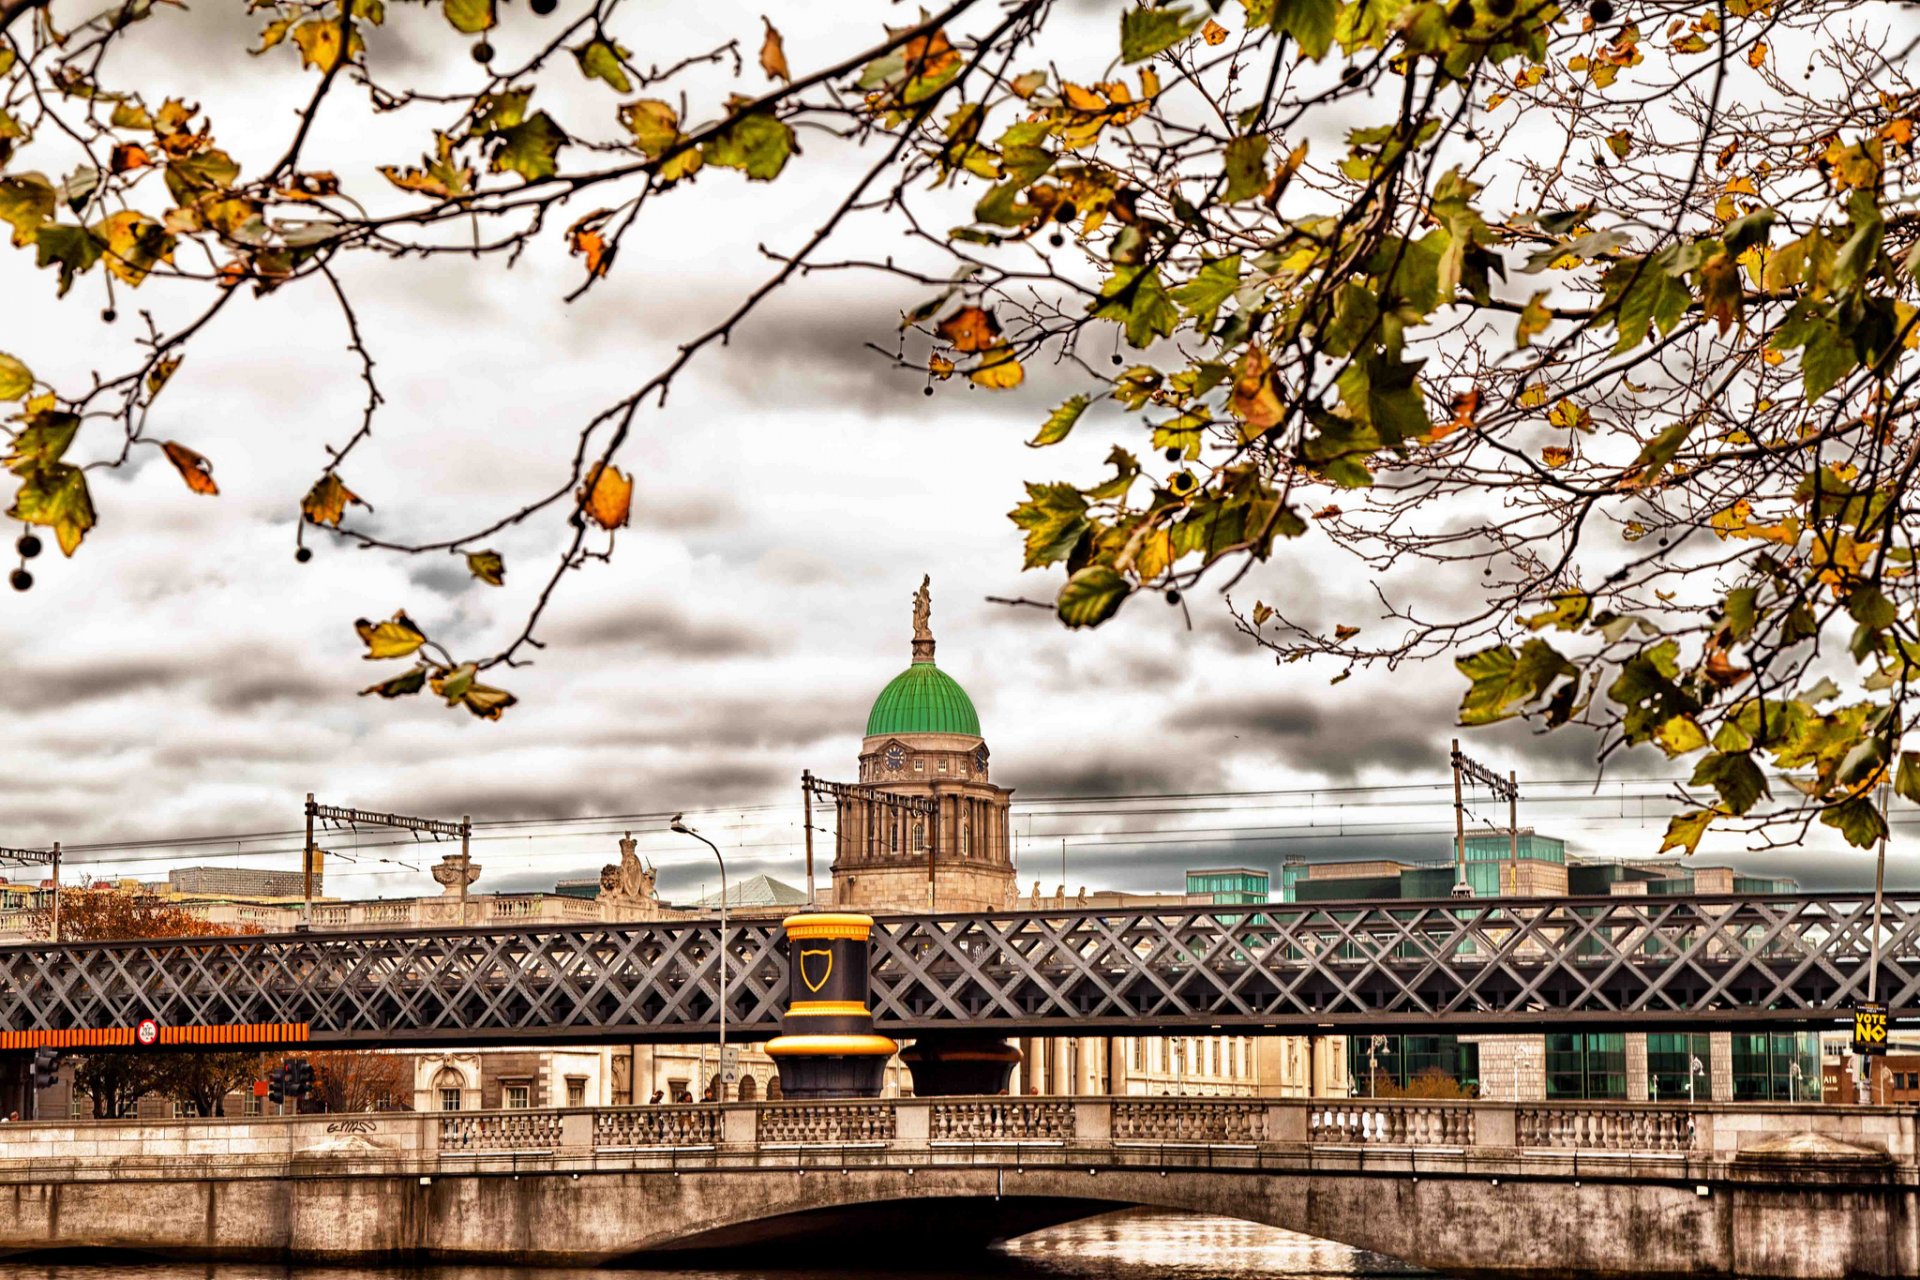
(980, 759)
(896, 758)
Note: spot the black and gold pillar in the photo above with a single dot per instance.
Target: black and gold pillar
(959, 1064)
(827, 1048)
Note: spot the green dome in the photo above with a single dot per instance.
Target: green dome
(923, 699)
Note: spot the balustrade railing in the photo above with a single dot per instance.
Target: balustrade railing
(502, 1131)
(1391, 1124)
(657, 1127)
(1605, 1128)
(1000, 1120)
(826, 1122)
(1167, 1121)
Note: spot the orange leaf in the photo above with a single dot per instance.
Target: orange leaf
(1899, 132)
(607, 496)
(128, 156)
(773, 54)
(586, 238)
(1556, 456)
(1466, 407)
(1213, 32)
(940, 367)
(1757, 56)
(194, 469)
(327, 501)
(971, 329)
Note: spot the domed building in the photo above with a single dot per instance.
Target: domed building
(923, 739)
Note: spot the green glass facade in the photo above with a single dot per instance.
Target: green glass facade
(1234, 886)
(1763, 1065)
(1592, 1066)
(1670, 1059)
(1405, 1058)
(923, 699)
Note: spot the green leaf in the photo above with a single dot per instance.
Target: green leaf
(470, 16)
(758, 143)
(1680, 735)
(15, 378)
(1646, 295)
(400, 686)
(1135, 297)
(1744, 233)
(1060, 422)
(600, 60)
(1734, 775)
(56, 496)
(1685, 829)
(27, 201)
(1309, 22)
(1858, 820)
(1504, 680)
(1054, 516)
(1906, 779)
(43, 441)
(488, 567)
(72, 249)
(529, 148)
(1204, 295)
(1246, 168)
(1091, 596)
(1145, 32)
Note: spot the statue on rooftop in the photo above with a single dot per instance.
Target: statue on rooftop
(629, 878)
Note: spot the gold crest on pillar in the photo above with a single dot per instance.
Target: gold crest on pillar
(923, 739)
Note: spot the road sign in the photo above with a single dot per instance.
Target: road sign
(147, 1032)
(730, 1065)
(1869, 1027)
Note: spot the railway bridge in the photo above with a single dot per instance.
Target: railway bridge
(1458, 965)
(1603, 1189)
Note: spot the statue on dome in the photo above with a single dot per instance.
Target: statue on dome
(923, 609)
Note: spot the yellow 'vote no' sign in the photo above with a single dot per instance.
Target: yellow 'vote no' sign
(1870, 1028)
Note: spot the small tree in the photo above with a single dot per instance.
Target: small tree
(361, 1080)
(1433, 1082)
(118, 1079)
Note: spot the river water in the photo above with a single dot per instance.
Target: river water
(1138, 1245)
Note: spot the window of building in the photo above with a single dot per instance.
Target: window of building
(250, 1103)
(919, 834)
(449, 1099)
(943, 764)
(919, 765)
(449, 1084)
(576, 1091)
(893, 837)
(1587, 1066)
(1139, 1053)
(1763, 1066)
(1670, 1058)
(966, 839)
(516, 1095)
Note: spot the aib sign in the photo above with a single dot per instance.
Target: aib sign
(147, 1032)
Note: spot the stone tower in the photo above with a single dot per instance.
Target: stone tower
(923, 739)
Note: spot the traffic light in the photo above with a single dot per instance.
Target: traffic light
(299, 1078)
(277, 1085)
(46, 1067)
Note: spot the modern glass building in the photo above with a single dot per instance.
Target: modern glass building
(1231, 886)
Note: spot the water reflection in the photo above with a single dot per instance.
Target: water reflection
(1136, 1245)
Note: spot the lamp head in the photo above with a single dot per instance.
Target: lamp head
(679, 824)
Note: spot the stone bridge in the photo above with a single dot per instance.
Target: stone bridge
(1520, 1189)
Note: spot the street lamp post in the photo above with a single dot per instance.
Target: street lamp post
(1694, 1068)
(1376, 1045)
(1793, 1080)
(679, 824)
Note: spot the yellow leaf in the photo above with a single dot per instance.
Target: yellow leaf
(194, 469)
(773, 54)
(1899, 132)
(607, 496)
(1556, 455)
(1213, 32)
(1534, 318)
(971, 329)
(998, 369)
(458, 688)
(162, 371)
(134, 242)
(1741, 186)
(395, 638)
(1565, 413)
(1254, 400)
(1534, 396)
(940, 367)
(488, 567)
(327, 501)
(319, 41)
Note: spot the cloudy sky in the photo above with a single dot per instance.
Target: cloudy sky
(183, 677)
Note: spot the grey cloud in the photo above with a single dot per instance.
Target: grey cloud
(667, 631)
(50, 687)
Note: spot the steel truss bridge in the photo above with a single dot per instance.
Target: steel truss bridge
(1454, 965)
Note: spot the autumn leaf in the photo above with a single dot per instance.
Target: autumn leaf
(530, 148)
(654, 124)
(600, 60)
(773, 54)
(327, 501)
(1254, 400)
(194, 469)
(395, 638)
(470, 17)
(607, 496)
(758, 144)
(128, 156)
(998, 370)
(1757, 56)
(319, 42)
(940, 367)
(407, 682)
(587, 238)
(439, 175)
(1556, 456)
(1213, 33)
(459, 689)
(1720, 290)
(134, 243)
(488, 567)
(159, 375)
(971, 329)
(1345, 632)
(55, 495)
(1466, 408)
(16, 380)
(1534, 319)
